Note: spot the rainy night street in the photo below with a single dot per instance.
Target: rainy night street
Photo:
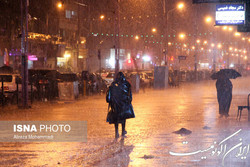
(120, 83)
(150, 137)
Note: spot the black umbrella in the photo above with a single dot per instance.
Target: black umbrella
(226, 73)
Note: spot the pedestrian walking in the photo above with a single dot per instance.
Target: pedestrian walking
(119, 97)
(224, 89)
(224, 95)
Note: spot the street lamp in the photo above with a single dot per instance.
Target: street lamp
(182, 36)
(214, 57)
(102, 17)
(166, 14)
(136, 37)
(180, 5)
(59, 5)
(208, 19)
(224, 28)
(153, 30)
(237, 34)
(78, 32)
(219, 46)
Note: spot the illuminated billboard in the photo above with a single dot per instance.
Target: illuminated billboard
(230, 14)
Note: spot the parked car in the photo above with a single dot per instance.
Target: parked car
(97, 84)
(145, 78)
(10, 86)
(150, 74)
(68, 86)
(46, 82)
(9, 82)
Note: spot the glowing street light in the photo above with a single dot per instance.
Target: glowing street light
(153, 29)
(208, 19)
(59, 5)
(237, 34)
(166, 16)
(102, 17)
(67, 55)
(146, 58)
(136, 37)
(182, 36)
(180, 5)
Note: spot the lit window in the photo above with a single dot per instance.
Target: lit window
(68, 14)
(73, 13)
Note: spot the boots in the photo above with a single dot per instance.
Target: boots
(124, 132)
(116, 131)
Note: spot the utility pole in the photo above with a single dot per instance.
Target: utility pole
(165, 42)
(214, 59)
(117, 36)
(78, 33)
(195, 38)
(100, 62)
(24, 51)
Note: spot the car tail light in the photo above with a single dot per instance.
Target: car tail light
(43, 81)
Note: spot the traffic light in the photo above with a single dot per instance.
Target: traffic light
(172, 58)
(129, 61)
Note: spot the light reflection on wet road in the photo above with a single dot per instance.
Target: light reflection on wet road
(150, 137)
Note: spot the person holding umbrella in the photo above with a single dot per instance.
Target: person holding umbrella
(224, 89)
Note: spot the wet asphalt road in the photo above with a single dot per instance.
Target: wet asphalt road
(149, 140)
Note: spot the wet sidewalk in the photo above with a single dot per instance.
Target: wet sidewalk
(150, 137)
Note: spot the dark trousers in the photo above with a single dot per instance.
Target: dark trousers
(123, 128)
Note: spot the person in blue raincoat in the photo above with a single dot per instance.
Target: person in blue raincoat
(119, 97)
(224, 95)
